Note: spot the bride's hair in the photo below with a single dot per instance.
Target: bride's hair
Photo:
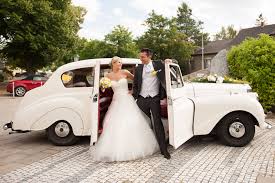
(114, 59)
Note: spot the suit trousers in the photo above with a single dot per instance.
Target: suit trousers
(151, 105)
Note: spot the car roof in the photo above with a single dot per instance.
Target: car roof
(34, 75)
(86, 63)
(92, 62)
(54, 82)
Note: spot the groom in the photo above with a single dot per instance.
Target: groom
(149, 88)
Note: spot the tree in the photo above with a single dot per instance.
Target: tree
(121, 40)
(95, 49)
(118, 42)
(261, 21)
(189, 26)
(254, 60)
(226, 33)
(164, 38)
(39, 32)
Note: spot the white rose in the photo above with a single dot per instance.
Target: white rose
(211, 78)
(219, 79)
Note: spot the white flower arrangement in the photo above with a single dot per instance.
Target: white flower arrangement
(218, 79)
(211, 78)
(215, 78)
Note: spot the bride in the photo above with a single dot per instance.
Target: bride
(126, 132)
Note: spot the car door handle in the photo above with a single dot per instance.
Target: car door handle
(95, 98)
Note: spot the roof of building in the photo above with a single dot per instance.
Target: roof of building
(216, 46)
(253, 32)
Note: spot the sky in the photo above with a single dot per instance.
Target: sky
(103, 15)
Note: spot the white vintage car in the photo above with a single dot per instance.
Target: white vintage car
(70, 104)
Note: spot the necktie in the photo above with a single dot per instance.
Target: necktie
(147, 68)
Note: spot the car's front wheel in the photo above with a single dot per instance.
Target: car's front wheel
(20, 91)
(236, 129)
(60, 133)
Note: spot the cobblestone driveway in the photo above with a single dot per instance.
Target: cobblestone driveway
(199, 160)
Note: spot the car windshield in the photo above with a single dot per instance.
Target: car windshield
(39, 78)
(27, 78)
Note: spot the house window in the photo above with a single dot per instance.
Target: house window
(207, 63)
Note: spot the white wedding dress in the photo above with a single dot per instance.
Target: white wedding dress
(126, 132)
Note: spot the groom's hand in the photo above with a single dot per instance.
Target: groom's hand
(168, 61)
(171, 61)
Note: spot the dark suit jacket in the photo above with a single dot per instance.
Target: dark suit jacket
(158, 65)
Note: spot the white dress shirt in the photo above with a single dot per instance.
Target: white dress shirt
(150, 83)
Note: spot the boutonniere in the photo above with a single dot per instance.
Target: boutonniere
(154, 72)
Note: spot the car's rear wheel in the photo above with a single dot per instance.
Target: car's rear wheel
(236, 129)
(20, 91)
(60, 133)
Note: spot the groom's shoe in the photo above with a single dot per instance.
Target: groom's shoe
(166, 155)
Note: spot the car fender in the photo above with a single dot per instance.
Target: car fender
(68, 114)
(210, 110)
(32, 116)
(21, 85)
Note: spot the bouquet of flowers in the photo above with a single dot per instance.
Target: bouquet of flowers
(105, 83)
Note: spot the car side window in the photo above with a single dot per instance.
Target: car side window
(83, 77)
(176, 78)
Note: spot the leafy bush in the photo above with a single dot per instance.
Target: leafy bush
(1, 77)
(254, 61)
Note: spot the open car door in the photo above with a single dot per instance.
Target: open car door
(94, 112)
(180, 108)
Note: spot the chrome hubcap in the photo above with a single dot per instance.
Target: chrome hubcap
(20, 91)
(237, 130)
(62, 129)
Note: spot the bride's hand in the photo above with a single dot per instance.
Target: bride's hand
(130, 92)
(163, 101)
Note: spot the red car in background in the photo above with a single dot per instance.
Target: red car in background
(21, 86)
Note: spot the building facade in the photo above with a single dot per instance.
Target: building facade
(214, 47)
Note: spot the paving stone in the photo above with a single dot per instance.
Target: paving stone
(195, 161)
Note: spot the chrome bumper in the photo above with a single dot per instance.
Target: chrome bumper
(7, 125)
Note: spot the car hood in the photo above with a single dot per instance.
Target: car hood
(206, 89)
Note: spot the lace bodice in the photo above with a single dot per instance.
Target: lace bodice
(120, 86)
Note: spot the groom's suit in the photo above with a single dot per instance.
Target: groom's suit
(149, 89)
